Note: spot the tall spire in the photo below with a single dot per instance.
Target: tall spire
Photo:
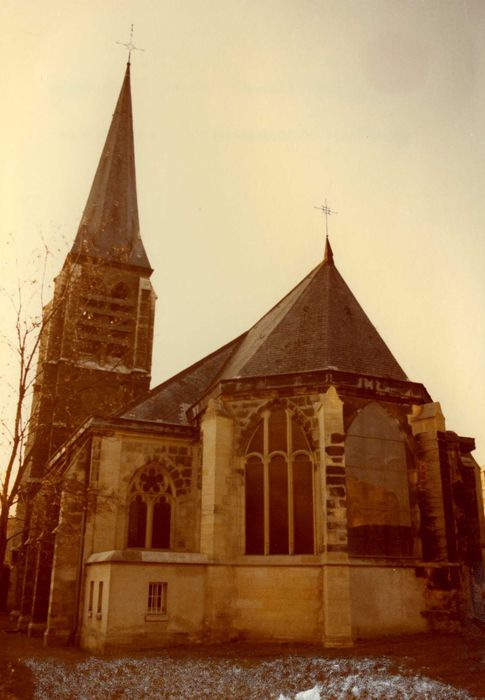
(109, 228)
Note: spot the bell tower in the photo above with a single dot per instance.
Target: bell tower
(95, 353)
(95, 346)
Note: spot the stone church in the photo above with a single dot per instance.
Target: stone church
(294, 485)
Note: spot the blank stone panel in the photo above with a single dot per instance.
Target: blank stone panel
(379, 517)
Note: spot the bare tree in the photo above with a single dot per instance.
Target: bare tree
(23, 344)
(34, 325)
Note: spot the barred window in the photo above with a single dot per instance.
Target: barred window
(157, 598)
(100, 598)
(91, 598)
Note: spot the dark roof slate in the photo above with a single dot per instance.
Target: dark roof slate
(318, 325)
(168, 402)
(109, 228)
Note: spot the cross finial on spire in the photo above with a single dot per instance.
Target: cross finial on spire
(328, 212)
(130, 45)
(325, 209)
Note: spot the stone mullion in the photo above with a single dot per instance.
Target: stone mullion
(289, 461)
(266, 480)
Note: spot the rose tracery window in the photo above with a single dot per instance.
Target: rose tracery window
(279, 488)
(151, 499)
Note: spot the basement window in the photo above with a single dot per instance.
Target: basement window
(99, 609)
(157, 600)
(91, 598)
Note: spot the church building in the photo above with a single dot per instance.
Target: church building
(294, 485)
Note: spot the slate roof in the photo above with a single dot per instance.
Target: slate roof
(168, 401)
(109, 228)
(318, 325)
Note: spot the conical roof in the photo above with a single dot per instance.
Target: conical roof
(109, 228)
(318, 325)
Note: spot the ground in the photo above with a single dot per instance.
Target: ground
(428, 666)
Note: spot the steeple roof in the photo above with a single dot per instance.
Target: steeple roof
(318, 325)
(109, 228)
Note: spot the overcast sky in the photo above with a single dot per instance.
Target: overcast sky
(247, 114)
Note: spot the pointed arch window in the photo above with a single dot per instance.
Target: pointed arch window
(279, 492)
(151, 501)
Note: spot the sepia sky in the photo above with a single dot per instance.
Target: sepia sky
(248, 114)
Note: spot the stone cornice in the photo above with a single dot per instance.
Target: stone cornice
(315, 382)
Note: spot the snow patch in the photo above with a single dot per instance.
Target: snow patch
(312, 694)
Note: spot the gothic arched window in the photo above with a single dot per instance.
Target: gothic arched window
(279, 487)
(378, 509)
(151, 499)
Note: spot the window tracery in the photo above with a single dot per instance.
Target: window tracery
(279, 500)
(151, 501)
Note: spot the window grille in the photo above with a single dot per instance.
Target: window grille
(157, 598)
(91, 598)
(100, 599)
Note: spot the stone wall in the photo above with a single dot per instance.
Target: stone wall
(279, 603)
(386, 600)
